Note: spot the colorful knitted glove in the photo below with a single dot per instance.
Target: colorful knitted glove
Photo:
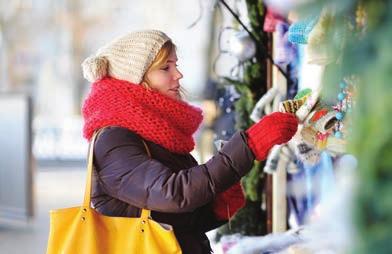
(229, 202)
(273, 129)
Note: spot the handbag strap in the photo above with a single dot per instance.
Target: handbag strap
(87, 193)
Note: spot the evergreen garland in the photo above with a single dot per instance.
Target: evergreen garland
(251, 220)
(367, 54)
(371, 58)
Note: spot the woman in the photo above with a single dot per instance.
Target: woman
(136, 97)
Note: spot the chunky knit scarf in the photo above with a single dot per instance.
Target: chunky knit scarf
(156, 117)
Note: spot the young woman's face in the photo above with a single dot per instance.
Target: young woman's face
(166, 78)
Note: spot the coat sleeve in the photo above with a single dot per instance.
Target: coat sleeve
(128, 174)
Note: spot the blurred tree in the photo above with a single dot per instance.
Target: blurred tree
(251, 220)
(365, 28)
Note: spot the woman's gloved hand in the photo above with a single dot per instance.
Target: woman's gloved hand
(273, 129)
(227, 203)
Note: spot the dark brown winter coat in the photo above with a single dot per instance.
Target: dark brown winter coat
(174, 187)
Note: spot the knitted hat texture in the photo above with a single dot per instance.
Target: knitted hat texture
(125, 58)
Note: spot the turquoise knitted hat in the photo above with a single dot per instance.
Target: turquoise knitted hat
(299, 31)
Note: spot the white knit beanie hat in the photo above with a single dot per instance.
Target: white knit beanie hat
(127, 57)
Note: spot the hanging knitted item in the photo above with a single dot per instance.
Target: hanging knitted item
(283, 156)
(305, 152)
(272, 18)
(292, 106)
(263, 106)
(319, 48)
(288, 155)
(286, 52)
(299, 31)
(271, 164)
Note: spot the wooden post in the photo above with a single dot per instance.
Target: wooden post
(268, 177)
(279, 204)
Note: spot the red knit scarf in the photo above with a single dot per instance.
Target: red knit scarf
(154, 116)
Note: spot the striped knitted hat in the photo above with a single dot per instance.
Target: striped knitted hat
(126, 58)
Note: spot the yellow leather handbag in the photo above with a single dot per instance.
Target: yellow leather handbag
(82, 230)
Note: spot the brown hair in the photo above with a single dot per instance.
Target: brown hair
(159, 61)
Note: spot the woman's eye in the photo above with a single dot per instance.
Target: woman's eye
(165, 68)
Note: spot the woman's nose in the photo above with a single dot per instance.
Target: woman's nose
(178, 75)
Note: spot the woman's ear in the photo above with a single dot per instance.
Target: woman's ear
(145, 85)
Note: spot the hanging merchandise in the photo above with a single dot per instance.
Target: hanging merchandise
(312, 185)
(292, 106)
(272, 18)
(327, 183)
(308, 105)
(324, 126)
(242, 46)
(272, 243)
(319, 125)
(303, 102)
(329, 123)
(343, 106)
(319, 40)
(287, 57)
(286, 52)
(287, 153)
(299, 31)
(281, 155)
(300, 195)
(305, 151)
(264, 107)
(292, 86)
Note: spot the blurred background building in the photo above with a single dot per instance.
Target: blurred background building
(42, 45)
(44, 42)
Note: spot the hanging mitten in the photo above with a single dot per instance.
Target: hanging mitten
(258, 111)
(306, 153)
(273, 129)
(229, 202)
(271, 165)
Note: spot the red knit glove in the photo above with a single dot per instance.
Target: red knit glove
(273, 129)
(229, 202)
